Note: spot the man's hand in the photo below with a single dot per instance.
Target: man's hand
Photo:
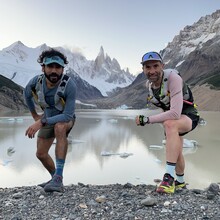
(137, 120)
(31, 131)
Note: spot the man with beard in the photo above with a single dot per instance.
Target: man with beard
(168, 92)
(55, 93)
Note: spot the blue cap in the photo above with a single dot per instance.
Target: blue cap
(54, 59)
(151, 56)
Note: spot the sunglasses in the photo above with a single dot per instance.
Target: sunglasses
(151, 56)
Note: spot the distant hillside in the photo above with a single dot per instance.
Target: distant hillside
(11, 95)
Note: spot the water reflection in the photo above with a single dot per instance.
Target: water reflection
(107, 131)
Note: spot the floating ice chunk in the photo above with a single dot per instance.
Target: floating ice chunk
(202, 121)
(11, 119)
(125, 155)
(156, 147)
(113, 120)
(123, 107)
(19, 119)
(75, 141)
(158, 161)
(122, 155)
(72, 141)
(189, 143)
(106, 153)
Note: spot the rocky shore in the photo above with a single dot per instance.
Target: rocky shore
(112, 202)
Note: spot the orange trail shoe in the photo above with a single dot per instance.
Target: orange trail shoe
(167, 185)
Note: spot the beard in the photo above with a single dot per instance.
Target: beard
(53, 77)
(154, 78)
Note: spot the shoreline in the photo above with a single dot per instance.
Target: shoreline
(113, 202)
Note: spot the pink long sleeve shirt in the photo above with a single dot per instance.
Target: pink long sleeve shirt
(175, 85)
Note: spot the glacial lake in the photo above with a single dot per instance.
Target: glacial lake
(106, 147)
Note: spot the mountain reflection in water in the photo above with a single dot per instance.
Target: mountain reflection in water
(106, 147)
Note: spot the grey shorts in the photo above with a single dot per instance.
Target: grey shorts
(48, 131)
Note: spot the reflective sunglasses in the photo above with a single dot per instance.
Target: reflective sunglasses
(151, 56)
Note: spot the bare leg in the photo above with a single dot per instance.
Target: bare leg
(43, 147)
(180, 164)
(62, 142)
(173, 142)
(174, 157)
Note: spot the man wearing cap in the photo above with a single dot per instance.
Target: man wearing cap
(168, 92)
(55, 92)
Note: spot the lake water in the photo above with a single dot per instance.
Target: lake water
(98, 142)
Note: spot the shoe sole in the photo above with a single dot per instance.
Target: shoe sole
(180, 187)
(53, 189)
(165, 190)
(42, 185)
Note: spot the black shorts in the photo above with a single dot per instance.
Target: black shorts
(195, 121)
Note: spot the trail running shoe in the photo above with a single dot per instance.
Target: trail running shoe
(43, 184)
(179, 185)
(167, 185)
(55, 184)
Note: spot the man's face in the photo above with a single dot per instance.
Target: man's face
(53, 72)
(153, 70)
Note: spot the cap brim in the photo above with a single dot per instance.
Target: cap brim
(153, 59)
(57, 62)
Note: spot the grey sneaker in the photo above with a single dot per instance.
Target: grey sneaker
(43, 184)
(55, 184)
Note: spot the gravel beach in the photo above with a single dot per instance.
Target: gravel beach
(111, 202)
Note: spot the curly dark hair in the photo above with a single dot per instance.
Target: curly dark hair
(50, 53)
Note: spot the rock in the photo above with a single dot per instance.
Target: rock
(214, 188)
(82, 202)
(17, 195)
(149, 201)
(166, 203)
(100, 199)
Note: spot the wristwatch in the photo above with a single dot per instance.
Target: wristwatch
(43, 121)
(143, 120)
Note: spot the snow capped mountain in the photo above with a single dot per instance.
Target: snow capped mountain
(19, 63)
(195, 53)
(192, 38)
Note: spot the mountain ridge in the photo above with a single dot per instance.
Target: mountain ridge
(19, 63)
(194, 52)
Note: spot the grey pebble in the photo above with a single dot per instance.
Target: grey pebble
(105, 202)
(149, 201)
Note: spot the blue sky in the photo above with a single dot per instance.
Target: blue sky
(125, 28)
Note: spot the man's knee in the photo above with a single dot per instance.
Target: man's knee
(60, 128)
(170, 125)
(41, 155)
